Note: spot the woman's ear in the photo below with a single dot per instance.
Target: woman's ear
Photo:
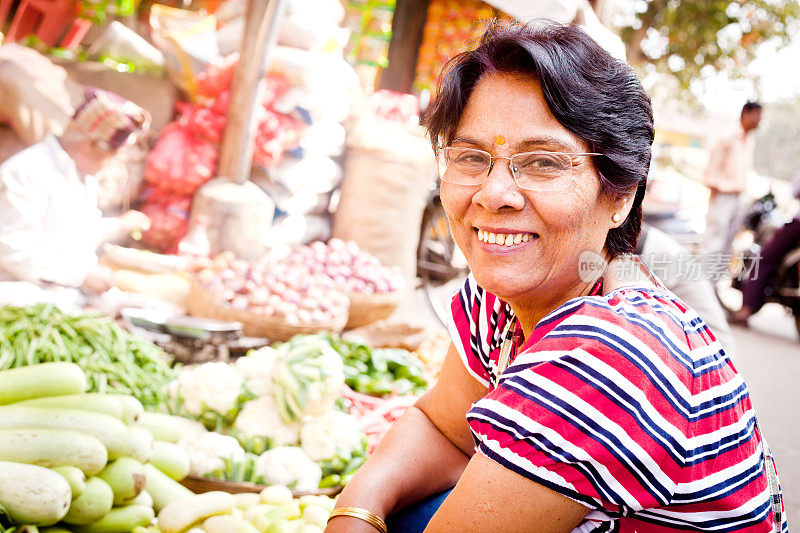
(622, 207)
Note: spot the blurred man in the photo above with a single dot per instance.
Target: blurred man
(50, 225)
(726, 176)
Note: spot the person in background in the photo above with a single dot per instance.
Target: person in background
(50, 224)
(730, 161)
(782, 242)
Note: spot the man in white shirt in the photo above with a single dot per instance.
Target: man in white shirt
(50, 225)
(730, 161)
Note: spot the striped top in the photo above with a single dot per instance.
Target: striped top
(625, 403)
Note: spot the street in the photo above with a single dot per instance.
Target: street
(768, 356)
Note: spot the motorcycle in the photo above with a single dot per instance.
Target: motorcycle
(760, 222)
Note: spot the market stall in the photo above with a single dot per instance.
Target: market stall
(101, 433)
(209, 388)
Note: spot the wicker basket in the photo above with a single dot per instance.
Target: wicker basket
(368, 308)
(385, 334)
(202, 304)
(199, 485)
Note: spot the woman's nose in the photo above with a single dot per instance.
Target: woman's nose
(499, 189)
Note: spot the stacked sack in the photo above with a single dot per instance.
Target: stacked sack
(322, 84)
(299, 135)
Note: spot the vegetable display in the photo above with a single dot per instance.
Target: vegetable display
(79, 463)
(301, 284)
(379, 371)
(271, 289)
(344, 265)
(112, 359)
(274, 510)
(278, 414)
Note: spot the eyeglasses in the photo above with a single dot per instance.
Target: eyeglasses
(536, 171)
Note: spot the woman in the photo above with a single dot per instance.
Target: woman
(618, 410)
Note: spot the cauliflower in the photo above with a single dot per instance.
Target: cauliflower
(332, 434)
(260, 418)
(289, 466)
(207, 451)
(211, 386)
(258, 367)
(309, 377)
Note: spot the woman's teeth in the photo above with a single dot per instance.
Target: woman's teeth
(504, 239)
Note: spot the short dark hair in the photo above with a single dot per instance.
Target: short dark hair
(593, 95)
(751, 106)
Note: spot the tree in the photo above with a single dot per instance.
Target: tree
(682, 37)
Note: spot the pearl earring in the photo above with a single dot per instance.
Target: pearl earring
(616, 217)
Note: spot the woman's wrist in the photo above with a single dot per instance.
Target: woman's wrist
(365, 491)
(361, 514)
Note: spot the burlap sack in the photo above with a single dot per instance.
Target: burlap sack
(388, 172)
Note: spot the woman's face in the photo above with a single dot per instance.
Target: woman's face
(506, 115)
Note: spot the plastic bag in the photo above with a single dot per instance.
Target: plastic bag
(181, 161)
(188, 42)
(169, 218)
(122, 44)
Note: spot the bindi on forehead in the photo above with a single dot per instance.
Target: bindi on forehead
(499, 140)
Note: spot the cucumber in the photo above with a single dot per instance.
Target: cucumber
(99, 403)
(169, 428)
(46, 379)
(120, 520)
(53, 447)
(31, 494)
(75, 477)
(126, 478)
(171, 459)
(245, 500)
(180, 515)
(163, 488)
(93, 504)
(139, 444)
(228, 524)
(143, 498)
(107, 429)
(131, 407)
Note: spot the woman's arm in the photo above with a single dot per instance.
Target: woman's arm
(491, 497)
(424, 452)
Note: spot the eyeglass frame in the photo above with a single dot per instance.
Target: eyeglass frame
(512, 169)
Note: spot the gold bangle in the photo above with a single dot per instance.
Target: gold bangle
(362, 514)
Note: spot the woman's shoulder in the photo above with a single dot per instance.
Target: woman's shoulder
(640, 320)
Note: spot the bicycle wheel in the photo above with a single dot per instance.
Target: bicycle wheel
(439, 260)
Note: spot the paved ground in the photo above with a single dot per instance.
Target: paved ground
(768, 356)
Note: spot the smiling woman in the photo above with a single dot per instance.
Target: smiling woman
(571, 399)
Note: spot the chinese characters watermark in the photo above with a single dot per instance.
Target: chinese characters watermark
(674, 267)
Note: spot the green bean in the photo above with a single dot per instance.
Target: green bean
(113, 359)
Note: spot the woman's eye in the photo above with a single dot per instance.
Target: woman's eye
(470, 158)
(539, 163)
